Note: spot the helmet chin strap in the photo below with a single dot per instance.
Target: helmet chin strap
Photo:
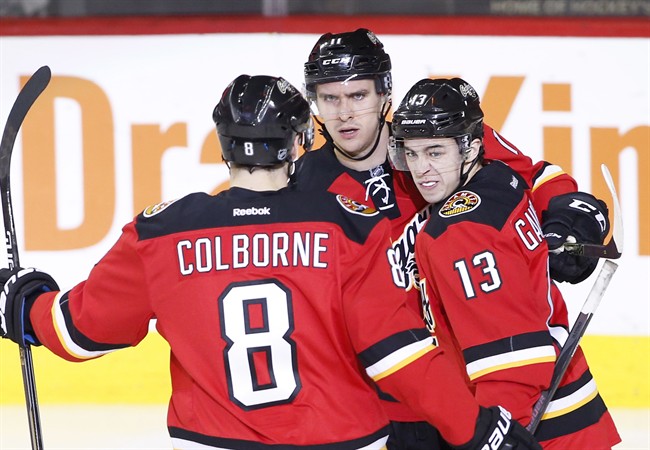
(382, 122)
(464, 175)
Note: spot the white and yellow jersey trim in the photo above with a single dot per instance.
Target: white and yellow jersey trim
(517, 358)
(65, 335)
(565, 405)
(398, 359)
(551, 171)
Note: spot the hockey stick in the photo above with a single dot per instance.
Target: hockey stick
(26, 98)
(614, 248)
(570, 346)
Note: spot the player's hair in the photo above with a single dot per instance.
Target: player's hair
(349, 56)
(258, 118)
(437, 108)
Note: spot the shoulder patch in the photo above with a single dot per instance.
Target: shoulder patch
(460, 203)
(354, 207)
(151, 211)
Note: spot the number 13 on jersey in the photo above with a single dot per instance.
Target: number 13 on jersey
(490, 278)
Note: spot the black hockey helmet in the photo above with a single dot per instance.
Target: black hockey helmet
(258, 118)
(352, 55)
(437, 108)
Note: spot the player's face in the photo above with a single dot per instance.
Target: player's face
(350, 111)
(435, 165)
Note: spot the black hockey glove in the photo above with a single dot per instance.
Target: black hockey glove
(575, 217)
(495, 430)
(21, 287)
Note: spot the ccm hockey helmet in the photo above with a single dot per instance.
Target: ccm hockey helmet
(348, 56)
(436, 108)
(258, 118)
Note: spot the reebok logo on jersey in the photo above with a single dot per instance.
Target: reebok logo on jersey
(355, 207)
(264, 211)
(460, 203)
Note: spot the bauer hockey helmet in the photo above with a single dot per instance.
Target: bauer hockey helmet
(348, 56)
(258, 118)
(436, 108)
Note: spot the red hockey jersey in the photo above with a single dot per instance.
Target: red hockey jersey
(394, 194)
(483, 265)
(278, 307)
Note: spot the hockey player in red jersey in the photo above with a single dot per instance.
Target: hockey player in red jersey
(483, 265)
(348, 79)
(268, 300)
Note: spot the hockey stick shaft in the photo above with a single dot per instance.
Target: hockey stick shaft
(571, 345)
(26, 98)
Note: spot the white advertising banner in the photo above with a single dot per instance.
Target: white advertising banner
(127, 122)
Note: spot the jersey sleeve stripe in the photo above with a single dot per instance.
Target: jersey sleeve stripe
(65, 331)
(512, 351)
(392, 343)
(400, 358)
(517, 358)
(548, 173)
(507, 344)
(574, 407)
(571, 402)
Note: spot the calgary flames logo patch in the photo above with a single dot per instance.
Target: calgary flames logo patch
(460, 203)
(155, 209)
(355, 207)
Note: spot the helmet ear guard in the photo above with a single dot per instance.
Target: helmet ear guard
(307, 136)
(396, 154)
